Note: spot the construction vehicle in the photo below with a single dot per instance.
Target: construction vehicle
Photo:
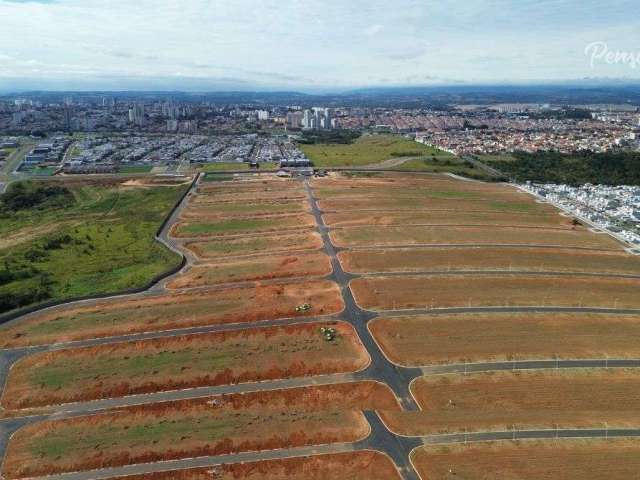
(328, 333)
(305, 307)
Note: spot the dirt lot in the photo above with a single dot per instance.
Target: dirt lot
(263, 244)
(237, 226)
(489, 258)
(444, 217)
(249, 186)
(441, 339)
(394, 182)
(458, 235)
(346, 466)
(167, 431)
(233, 305)
(244, 209)
(255, 269)
(552, 460)
(484, 290)
(181, 362)
(398, 204)
(534, 399)
(243, 196)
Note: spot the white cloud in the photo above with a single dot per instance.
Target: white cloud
(310, 42)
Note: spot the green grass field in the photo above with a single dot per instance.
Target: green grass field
(135, 169)
(230, 166)
(97, 239)
(368, 150)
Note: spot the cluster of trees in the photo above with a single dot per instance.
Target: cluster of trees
(27, 195)
(343, 137)
(612, 168)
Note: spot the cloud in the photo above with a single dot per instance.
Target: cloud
(373, 30)
(307, 42)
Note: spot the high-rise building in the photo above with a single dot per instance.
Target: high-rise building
(294, 119)
(68, 115)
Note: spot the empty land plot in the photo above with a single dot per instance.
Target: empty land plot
(232, 305)
(254, 269)
(489, 258)
(543, 399)
(461, 235)
(263, 244)
(276, 194)
(250, 186)
(497, 337)
(444, 217)
(419, 192)
(236, 226)
(157, 433)
(366, 465)
(613, 459)
(244, 209)
(176, 363)
(487, 290)
(390, 180)
(428, 204)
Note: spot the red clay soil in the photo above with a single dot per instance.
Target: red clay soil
(573, 459)
(247, 226)
(345, 466)
(250, 419)
(496, 337)
(492, 290)
(177, 363)
(488, 258)
(444, 217)
(254, 269)
(135, 315)
(541, 399)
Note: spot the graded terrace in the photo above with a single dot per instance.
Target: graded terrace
(308, 304)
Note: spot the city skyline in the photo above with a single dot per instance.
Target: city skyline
(211, 45)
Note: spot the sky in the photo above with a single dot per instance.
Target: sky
(309, 45)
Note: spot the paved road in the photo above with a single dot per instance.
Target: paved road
(398, 379)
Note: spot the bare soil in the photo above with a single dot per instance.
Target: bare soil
(612, 459)
(489, 258)
(444, 339)
(117, 439)
(346, 466)
(254, 269)
(256, 245)
(178, 363)
(485, 290)
(145, 314)
(239, 226)
(459, 235)
(543, 399)
(443, 217)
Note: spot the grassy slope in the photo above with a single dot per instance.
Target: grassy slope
(112, 248)
(368, 150)
(231, 166)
